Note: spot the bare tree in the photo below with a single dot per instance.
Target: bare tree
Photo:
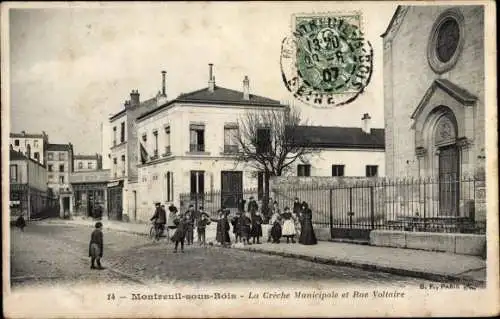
(267, 141)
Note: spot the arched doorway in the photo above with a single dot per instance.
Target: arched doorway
(448, 164)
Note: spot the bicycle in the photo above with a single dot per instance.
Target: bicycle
(153, 232)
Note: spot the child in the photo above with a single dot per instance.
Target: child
(218, 229)
(276, 228)
(96, 247)
(180, 232)
(256, 231)
(244, 227)
(189, 228)
(203, 221)
(235, 221)
(288, 226)
(21, 222)
(226, 241)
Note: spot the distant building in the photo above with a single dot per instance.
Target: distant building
(34, 144)
(59, 167)
(342, 151)
(83, 163)
(123, 152)
(187, 145)
(90, 190)
(28, 185)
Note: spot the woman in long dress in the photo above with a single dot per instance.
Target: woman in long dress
(307, 236)
(288, 226)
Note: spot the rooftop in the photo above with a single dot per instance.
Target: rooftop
(28, 135)
(19, 156)
(219, 96)
(339, 137)
(60, 147)
(85, 157)
(147, 103)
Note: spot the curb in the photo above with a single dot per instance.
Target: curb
(371, 267)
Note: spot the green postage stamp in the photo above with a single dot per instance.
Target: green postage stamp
(326, 61)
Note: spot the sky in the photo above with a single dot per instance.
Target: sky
(71, 67)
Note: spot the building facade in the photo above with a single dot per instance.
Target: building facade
(90, 188)
(85, 163)
(59, 167)
(435, 125)
(123, 154)
(28, 185)
(342, 151)
(187, 146)
(35, 144)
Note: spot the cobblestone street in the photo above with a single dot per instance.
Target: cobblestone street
(58, 254)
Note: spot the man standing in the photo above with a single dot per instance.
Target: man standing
(253, 207)
(160, 219)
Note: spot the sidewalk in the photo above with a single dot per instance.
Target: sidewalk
(406, 262)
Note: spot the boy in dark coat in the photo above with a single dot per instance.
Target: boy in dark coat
(203, 221)
(235, 221)
(180, 232)
(96, 246)
(244, 226)
(21, 222)
(256, 231)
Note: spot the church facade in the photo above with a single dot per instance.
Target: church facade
(434, 102)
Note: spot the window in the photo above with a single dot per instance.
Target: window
(50, 168)
(114, 166)
(61, 179)
(167, 140)
(338, 170)
(62, 156)
(35, 143)
(303, 170)
(155, 151)
(36, 155)
(114, 135)
(50, 156)
(80, 165)
(61, 168)
(260, 184)
(89, 165)
(230, 139)
(197, 138)
(16, 142)
(50, 177)
(122, 132)
(144, 137)
(13, 173)
(197, 182)
(123, 165)
(170, 186)
(371, 170)
(263, 144)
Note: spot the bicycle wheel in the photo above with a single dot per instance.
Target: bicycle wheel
(152, 233)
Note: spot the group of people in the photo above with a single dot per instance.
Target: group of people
(292, 224)
(183, 224)
(248, 225)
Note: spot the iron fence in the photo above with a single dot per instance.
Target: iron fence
(414, 204)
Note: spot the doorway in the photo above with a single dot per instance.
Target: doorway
(231, 188)
(449, 180)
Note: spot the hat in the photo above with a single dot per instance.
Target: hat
(157, 203)
(251, 197)
(98, 225)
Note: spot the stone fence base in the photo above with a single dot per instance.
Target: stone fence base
(464, 244)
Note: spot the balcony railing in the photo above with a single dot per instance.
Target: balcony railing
(197, 147)
(155, 155)
(167, 151)
(231, 149)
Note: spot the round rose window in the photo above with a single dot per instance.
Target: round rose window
(447, 40)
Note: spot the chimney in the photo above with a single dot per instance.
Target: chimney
(366, 123)
(134, 98)
(211, 78)
(246, 88)
(163, 83)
